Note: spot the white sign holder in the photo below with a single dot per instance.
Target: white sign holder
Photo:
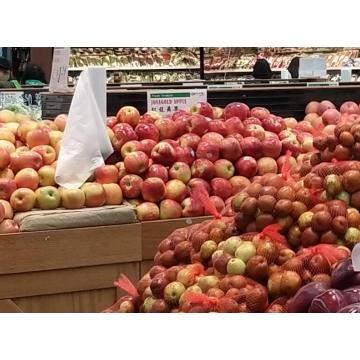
(59, 70)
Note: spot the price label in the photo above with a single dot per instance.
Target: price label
(11, 97)
(355, 257)
(168, 101)
(59, 70)
(229, 85)
(324, 83)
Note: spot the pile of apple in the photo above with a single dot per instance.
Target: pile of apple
(28, 155)
(241, 273)
(161, 158)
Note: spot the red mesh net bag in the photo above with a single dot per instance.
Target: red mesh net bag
(128, 303)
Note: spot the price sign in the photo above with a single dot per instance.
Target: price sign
(11, 97)
(59, 70)
(168, 101)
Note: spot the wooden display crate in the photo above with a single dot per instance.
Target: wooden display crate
(73, 270)
(67, 270)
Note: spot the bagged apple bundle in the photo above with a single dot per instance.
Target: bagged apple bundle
(231, 294)
(310, 265)
(343, 143)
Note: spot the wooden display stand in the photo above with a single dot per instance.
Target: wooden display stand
(73, 270)
(67, 270)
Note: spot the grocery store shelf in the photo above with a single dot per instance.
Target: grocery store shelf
(143, 68)
(245, 71)
(233, 71)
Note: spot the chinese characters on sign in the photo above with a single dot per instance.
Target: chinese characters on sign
(168, 101)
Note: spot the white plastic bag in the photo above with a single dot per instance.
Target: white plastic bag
(86, 142)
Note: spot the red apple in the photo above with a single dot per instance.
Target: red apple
(324, 105)
(252, 121)
(147, 131)
(163, 153)
(136, 162)
(153, 189)
(8, 211)
(176, 190)
(234, 125)
(246, 166)
(191, 208)
(111, 121)
(271, 147)
(107, 174)
(121, 167)
(267, 165)
(260, 112)
(237, 109)
(349, 107)
(212, 137)
(190, 140)
(172, 142)
(22, 199)
(131, 186)
(6, 174)
(230, 149)
(180, 171)
(170, 209)
(113, 194)
(167, 128)
(198, 124)
(208, 150)
(179, 113)
(194, 182)
(147, 145)
(181, 123)
(256, 131)
(159, 171)
(9, 226)
(7, 187)
(203, 168)
(129, 147)
(72, 198)
(47, 153)
(224, 169)
(148, 211)
(27, 178)
(26, 159)
(94, 194)
(218, 126)
(37, 137)
(239, 183)
(274, 125)
(221, 187)
(60, 121)
(185, 154)
(150, 117)
(122, 134)
(251, 146)
(4, 158)
(129, 115)
(202, 108)
(291, 144)
(331, 116)
(312, 107)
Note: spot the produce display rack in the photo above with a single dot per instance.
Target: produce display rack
(284, 99)
(73, 270)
